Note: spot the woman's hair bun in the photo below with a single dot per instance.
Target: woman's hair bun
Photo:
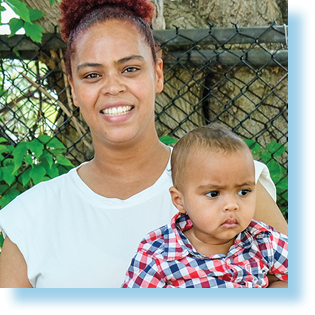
(72, 11)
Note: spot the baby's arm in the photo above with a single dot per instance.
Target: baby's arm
(143, 272)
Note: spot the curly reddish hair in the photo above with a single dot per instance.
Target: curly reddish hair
(73, 11)
(78, 16)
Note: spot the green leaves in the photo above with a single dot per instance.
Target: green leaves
(8, 174)
(277, 172)
(37, 174)
(63, 161)
(27, 16)
(34, 31)
(19, 8)
(36, 147)
(167, 140)
(276, 149)
(2, 8)
(15, 25)
(35, 14)
(1, 239)
(28, 164)
(253, 145)
(269, 157)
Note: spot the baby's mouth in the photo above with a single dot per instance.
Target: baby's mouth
(116, 111)
(231, 222)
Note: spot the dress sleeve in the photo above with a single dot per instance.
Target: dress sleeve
(263, 176)
(143, 272)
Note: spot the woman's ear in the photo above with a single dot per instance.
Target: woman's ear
(177, 199)
(159, 76)
(74, 97)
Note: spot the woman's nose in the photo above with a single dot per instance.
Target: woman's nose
(113, 85)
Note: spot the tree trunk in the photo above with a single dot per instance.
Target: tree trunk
(221, 13)
(186, 14)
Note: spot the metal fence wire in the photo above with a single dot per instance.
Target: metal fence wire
(235, 76)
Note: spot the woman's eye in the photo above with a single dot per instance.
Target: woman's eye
(92, 76)
(243, 192)
(130, 69)
(212, 194)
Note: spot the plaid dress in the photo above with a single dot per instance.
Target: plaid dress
(166, 259)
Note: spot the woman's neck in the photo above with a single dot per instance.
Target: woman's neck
(127, 156)
(122, 171)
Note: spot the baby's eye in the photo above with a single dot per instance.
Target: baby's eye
(243, 192)
(213, 194)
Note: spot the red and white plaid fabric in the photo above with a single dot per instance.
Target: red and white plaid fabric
(166, 259)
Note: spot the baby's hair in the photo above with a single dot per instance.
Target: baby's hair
(79, 15)
(211, 137)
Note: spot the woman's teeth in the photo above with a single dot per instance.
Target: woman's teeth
(115, 111)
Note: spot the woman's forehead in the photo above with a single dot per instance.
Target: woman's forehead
(122, 36)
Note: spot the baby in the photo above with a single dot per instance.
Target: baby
(213, 242)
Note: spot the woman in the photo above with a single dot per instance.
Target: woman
(82, 229)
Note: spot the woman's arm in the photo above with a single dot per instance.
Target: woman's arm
(278, 284)
(13, 269)
(274, 282)
(268, 212)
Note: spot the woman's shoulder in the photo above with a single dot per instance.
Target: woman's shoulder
(44, 192)
(61, 183)
(38, 204)
(262, 175)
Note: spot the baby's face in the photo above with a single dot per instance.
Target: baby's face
(218, 193)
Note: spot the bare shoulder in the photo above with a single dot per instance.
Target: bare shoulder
(13, 269)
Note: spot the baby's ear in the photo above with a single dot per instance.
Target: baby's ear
(177, 199)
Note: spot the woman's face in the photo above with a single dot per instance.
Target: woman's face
(114, 82)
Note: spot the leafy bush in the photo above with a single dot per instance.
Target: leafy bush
(278, 173)
(29, 163)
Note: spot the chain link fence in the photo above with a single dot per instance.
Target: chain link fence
(236, 76)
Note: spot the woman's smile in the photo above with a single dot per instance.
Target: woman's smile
(117, 111)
